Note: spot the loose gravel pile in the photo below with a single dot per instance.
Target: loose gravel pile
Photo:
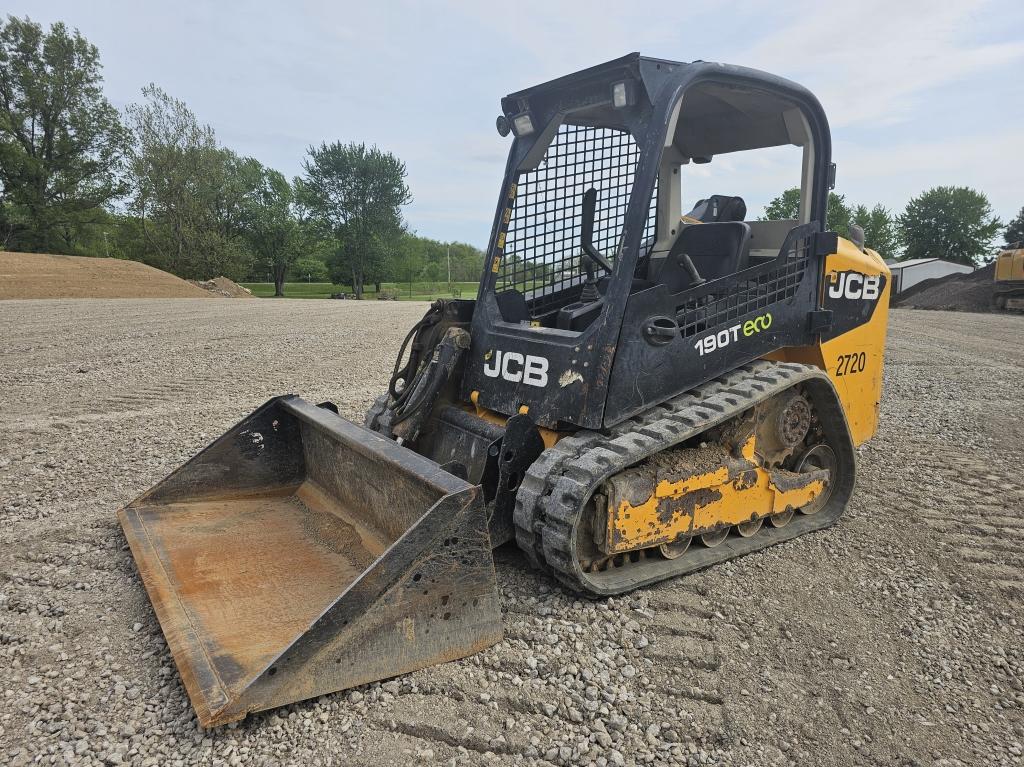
(895, 637)
(970, 292)
(224, 287)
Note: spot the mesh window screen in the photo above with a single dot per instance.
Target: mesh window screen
(774, 283)
(542, 246)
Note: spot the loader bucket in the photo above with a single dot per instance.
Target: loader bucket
(300, 554)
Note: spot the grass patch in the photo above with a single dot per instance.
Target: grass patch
(293, 289)
(418, 291)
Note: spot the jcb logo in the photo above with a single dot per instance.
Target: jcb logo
(854, 285)
(515, 367)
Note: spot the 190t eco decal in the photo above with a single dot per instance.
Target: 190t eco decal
(723, 338)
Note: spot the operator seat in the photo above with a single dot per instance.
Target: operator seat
(719, 207)
(716, 249)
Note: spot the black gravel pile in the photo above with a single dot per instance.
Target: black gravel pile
(957, 292)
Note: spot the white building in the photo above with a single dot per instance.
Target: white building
(908, 273)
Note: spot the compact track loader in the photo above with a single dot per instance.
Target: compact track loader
(636, 392)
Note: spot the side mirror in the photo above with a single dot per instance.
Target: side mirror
(857, 236)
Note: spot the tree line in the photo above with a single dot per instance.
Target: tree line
(155, 185)
(954, 223)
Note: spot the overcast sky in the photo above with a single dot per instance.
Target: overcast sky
(919, 93)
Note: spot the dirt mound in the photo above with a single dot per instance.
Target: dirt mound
(970, 292)
(39, 275)
(222, 286)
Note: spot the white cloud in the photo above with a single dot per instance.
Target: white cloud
(424, 80)
(874, 61)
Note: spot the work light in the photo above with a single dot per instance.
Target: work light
(522, 124)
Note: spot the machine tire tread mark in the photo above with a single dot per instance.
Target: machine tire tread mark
(985, 536)
(556, 490)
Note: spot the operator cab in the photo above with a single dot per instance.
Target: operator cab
(581, 216)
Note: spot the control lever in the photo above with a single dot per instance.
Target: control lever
(687, 264)
(587, 231)
(587, 244)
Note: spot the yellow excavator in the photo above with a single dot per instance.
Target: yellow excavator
(637, 391)
(1008, 293)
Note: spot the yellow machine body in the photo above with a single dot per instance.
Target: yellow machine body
(1010, 265)
(673, 497)
(688, 502)
(853, 359)
(1008, 287)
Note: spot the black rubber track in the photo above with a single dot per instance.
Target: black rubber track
(556, 488)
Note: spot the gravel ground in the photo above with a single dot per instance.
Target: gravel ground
(893, 638)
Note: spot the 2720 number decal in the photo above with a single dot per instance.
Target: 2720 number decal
(849, 364)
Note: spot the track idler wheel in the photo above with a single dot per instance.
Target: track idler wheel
(819, 457)
(716, 538)
(782, 519)
(675, 549)
(747, 529)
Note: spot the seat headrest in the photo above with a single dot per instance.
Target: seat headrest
(719, 207)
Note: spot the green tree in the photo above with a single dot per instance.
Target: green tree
(434, 271)
(120, 236)
(787, 206)
(275, 235)
(838, 215)
(880, 232)
(466, 260)
(1015, 230)
(356, 192)
(12, 221)
(312, 268)
(191, 194)
(61, 142)
(408, 266)
(784, 207)
(955, 223)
